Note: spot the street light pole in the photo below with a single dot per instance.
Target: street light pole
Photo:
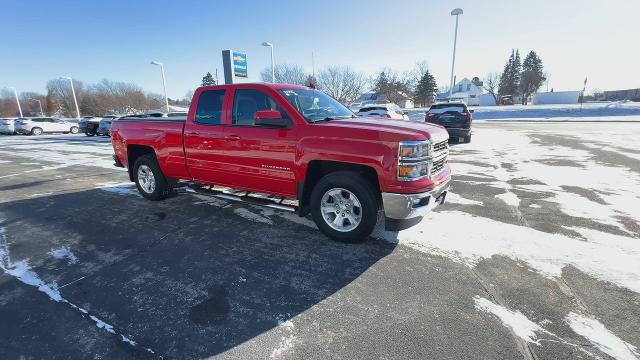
(164, 85)
(73, 91)
(273, 65)
(455, 12)
(15, 92)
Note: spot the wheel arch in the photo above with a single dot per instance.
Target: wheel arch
(317, 169)
(134, 151)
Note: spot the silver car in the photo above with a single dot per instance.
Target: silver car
(7, 126)
(40, 125)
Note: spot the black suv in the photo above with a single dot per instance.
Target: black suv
(455, 117)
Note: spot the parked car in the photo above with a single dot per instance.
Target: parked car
(89, 125)
(506, 100)
(390, 111)
(40, 125)
(7, 126)
(295, 143)
(104, 126)
(454, 116)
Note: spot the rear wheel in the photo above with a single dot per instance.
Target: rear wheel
(150, 180)
(74, 130)
(36, 131)
(344, 206)
(89, 133)
(467, 139)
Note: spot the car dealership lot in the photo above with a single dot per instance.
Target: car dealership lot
(535, 255)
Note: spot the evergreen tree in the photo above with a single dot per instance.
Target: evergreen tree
(532, 76)
(208, 80)
(426, 89)
(510, 78)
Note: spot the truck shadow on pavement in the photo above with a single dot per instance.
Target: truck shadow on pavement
(186, 279)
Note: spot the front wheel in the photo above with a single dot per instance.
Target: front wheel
(344, 206)
(89, 133)
(36, 131)
(150, 180)
(467, 139)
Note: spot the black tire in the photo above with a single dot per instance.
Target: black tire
(74, 130)
(88, 133)
(364, 191)
(36, 131)
(162, 188)
(467, 139)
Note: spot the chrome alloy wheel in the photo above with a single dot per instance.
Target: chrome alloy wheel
(341, 209)
(146, 179)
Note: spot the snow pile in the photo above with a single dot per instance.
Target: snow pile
(601, 337)
(64, 253)
(518, 323)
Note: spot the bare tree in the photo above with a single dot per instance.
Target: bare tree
(62, 97)
(342, 83)
(491, 85)
(8, 106)
(29, 102)
(285, 74)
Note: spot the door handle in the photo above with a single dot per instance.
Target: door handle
(233, 137)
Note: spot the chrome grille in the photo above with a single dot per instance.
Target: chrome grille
(440, 153)
(441, 146)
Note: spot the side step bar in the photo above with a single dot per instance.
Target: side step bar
(254, 198)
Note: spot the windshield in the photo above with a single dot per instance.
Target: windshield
(314, 105)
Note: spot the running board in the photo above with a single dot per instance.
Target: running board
(225, 193)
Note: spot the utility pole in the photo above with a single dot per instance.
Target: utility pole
(15, 92)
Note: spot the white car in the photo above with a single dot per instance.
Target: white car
(390, 111)
(7, 126)
(40, 125)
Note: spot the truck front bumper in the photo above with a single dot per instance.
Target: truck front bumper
(405, 210)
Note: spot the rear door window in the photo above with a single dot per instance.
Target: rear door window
(209, 111)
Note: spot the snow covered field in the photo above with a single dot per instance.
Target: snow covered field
(539, 243)
(606, 111)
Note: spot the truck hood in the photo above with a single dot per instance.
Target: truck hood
(404, 129)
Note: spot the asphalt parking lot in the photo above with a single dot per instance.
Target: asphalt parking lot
(538, 246)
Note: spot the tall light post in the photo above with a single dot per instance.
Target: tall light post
(15, 92)
(73, 91)
(39, 103)
(164, 85)
(455, 12)
(273, 64)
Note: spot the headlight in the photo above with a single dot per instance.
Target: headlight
(414, 150)
(414, 160)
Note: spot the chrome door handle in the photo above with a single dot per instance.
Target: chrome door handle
(233, 137)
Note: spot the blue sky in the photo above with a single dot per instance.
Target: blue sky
(91, 40)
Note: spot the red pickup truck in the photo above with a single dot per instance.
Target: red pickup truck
(297, 143)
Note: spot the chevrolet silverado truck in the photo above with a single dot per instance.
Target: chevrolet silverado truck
(296, 143)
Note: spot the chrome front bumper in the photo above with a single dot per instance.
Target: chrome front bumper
(405, 210)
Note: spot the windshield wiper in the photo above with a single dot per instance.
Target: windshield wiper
(329, 118)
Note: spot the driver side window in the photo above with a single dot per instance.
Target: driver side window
(247, 101)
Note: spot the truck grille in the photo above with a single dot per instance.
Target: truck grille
(441, 146)
(440, 153)
(438, 165)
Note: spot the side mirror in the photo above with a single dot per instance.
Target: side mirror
(471, 111)
(405, 112)
(270, 118)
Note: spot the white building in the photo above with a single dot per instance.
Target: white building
(466, 91)
(557, 97)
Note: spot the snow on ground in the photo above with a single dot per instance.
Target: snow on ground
(601, 337)
(22, 271)
(607, 111)
(61, 150)
(64, 253)
(518, 323)
(124, 188)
